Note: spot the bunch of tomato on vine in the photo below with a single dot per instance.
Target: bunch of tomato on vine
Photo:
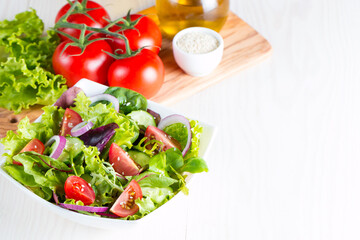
(122, 53)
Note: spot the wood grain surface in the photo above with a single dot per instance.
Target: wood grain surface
(243, 47)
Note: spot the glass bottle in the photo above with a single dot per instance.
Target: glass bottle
(175, 15)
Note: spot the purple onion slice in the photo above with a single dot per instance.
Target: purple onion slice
(81, 128)
(78, 207)
(67, 98)
(60, 142)
(84, 208)
(106, 97)
(176, 118)
(56, 198)
(156, 116)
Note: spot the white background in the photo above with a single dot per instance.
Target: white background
(285, 163)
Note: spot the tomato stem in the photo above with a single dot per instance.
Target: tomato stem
(83, 40)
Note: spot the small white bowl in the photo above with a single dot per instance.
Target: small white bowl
(198, 64)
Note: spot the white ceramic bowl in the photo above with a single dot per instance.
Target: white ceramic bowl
(156, 218)
(198, 64)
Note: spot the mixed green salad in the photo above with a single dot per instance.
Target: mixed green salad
(106, 155)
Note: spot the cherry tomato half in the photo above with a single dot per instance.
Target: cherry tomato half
(143, 73)
(146, 34)
(98, 15)
(121, 161)
(159, 135)
(92, 64)
(35, 145)
(77, 188)
(125, 205)
(70, 120)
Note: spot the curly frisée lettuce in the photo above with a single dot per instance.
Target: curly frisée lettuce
(161, 177)
(26, 76)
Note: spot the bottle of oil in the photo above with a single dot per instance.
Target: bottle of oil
(175, 15)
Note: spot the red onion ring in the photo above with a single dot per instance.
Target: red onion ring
(176, 118)
(60, 142)
(80, 208)
(84, 208)
(56, 199)
(81, 128)
(106, 97)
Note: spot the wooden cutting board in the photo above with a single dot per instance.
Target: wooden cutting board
(243, 47)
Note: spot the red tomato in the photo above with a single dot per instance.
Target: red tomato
(92, 64)
(97, 15)
(146, 34)
(121, 161)
(125, 205)
(77, 188)
(34, 145)
(143, 73)
(70, 120)
(159, 135)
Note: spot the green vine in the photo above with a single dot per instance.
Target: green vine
(84, 39)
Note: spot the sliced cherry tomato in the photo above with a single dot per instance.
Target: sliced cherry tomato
(35, 145)
(98, 16)
(92, 64)
(70, 120)
(121, 161)
(77, 188)
(145, 33)
(143, 73)
(125, 205)
(159, 135)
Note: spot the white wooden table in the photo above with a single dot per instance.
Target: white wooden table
(286, 160)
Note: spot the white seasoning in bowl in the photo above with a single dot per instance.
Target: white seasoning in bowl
(197, 42)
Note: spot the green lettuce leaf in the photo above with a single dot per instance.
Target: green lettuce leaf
(146, 206)
(25, 25)
(36, 175)
(179, 132)
(22, 38)
(196, 130)
(25, 62)
(35, 53)
(194, 165)
(43, 174)
(21, 87)
(158, 195)
(154, 180)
